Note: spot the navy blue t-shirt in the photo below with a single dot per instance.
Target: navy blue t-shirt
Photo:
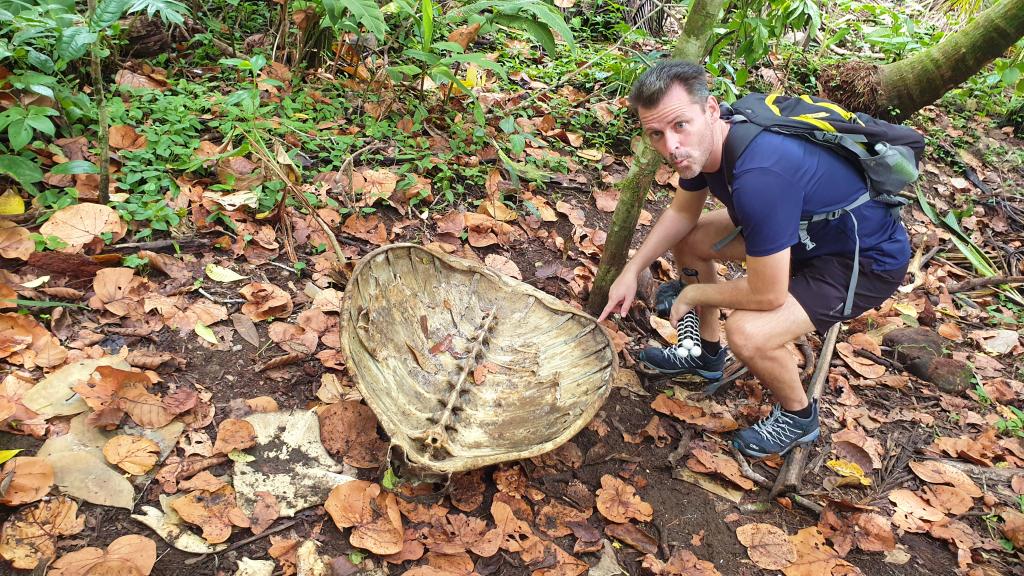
(778, 178)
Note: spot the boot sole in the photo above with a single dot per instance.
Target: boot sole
(710, 375)
(755, 454)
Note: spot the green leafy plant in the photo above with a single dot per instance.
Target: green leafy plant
(1013, 425)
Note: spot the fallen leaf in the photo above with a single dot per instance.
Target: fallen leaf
(854, 453)
(816, 558)
(705, 462)
(118, 291)
(81, 224)
(1013, 527)
(553, 519)
(234, 434)
(130, 555)
(444, 565)
(124, 137)
(265, 301)
(25, 479)
(112, 392)
(704, 413)
(169, 526)
(133, 454)
(665, 329)
(618, 501)
(768, 546)
(264, 512)
(937, 472)
(29, 535)
(632, 535)
(214, 512)
(246, 329)
(202, 481)
(950, 331)
(15, 242)
(221, 274)
(262, 404)
(466, 490)
(948, 499)
(681, 563)
(349, 429)
(372, 514)
(849, 469)
(503, 265)
(858, 364)
(868, 531)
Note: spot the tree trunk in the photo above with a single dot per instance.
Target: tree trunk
(633, 189)
(897, 90)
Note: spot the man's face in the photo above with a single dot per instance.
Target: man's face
(680, 130)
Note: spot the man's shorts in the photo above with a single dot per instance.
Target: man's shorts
(820, 286)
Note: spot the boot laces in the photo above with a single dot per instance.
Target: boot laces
(777, 427)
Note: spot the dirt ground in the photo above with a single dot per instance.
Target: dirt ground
(684, 514)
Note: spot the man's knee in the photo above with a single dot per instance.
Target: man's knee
(742, 334)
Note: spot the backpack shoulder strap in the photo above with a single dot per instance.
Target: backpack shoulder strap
(741, 133)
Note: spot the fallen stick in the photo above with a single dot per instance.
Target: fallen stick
(243, 542)
(763, 482)
(789, 477)
(974, 283)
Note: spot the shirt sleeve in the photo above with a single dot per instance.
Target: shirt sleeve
(695, 184)
(768, 205)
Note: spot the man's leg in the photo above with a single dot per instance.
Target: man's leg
(695, 252)
(759, 339)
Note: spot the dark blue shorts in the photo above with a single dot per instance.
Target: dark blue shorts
(820, 286)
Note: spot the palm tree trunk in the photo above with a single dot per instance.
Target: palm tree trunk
(633, 189)
(899, 89)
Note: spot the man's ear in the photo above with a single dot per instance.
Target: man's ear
(712, 107)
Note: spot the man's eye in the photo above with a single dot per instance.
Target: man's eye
(680, 125)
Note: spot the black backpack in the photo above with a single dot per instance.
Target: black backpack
(887, 154)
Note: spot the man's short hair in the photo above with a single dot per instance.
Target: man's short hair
(651, 86)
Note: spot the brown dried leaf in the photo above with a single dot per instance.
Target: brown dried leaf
(368, 228)
(412, 548)
(704, 461)
(633, 536)
(349, 429)
(112, 392)
(25, 479)
(15, 242)
(618, 501)
(467, 490)
(118, 291)
(148, 359)
(681, 563)
(246, 329)
(202, 481)
(80, 224)
(30, 534)
(1013, 527)
(503, 265)
(948, 499)
(937, 472)
(373, 515)
(264, 512)
(553, 519)
(130, 555)
(234, 434)
(214, 512)
(950, 331)
(768, 546)
(465, 35)
(705, 414)
(816, 558)
(124, 137)
(134, 454)
(860, 365)
(511, 480)
(444, 565)
(264, 301)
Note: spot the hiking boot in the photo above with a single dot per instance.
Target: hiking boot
(778, 433)
(676, 361)
(665, 296)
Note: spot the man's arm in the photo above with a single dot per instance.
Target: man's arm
(673, 225)
(765, 287)
(675, 222)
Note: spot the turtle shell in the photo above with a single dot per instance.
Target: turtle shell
(465, 367)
